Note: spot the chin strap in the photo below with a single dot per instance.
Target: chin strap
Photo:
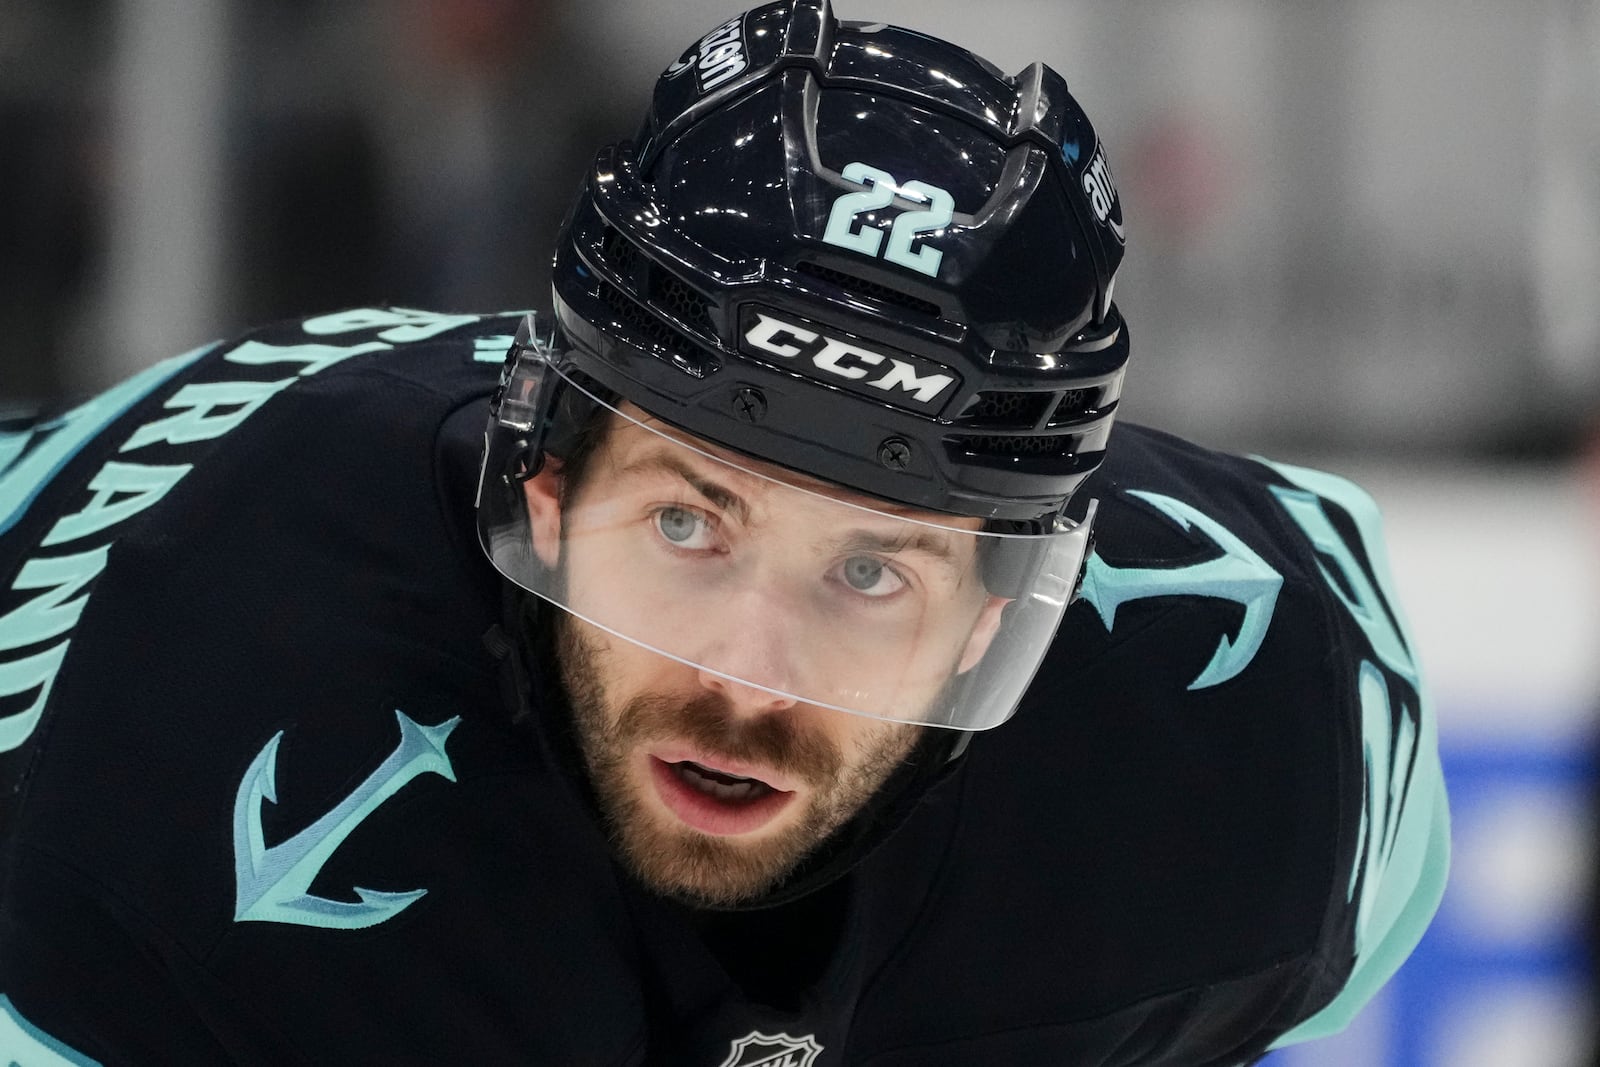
(507, 644)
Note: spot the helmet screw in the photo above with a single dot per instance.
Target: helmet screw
(894, 454)
(749, 405)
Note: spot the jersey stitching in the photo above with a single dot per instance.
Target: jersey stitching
(38, 743)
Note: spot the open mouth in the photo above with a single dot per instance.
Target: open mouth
(719, 784)
(716, 801)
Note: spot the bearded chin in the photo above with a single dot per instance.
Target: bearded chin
(668, 857)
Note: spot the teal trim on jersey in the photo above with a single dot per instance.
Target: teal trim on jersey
(11, 446)
(23, 477)
(491, 349)
(273, 884)
(1426, 838)
(1364, 602)
(1403, 847)
(1239, 575)
(23, 1044)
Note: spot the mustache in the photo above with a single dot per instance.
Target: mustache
(776, 739)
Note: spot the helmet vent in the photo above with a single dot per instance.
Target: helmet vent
(1075, 405)
(1005, 410)
(871, 290)
(645, 327)
(619, 252)
(1033, 446)
(668, 292)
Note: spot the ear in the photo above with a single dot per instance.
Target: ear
(983, 632)
(542, 493)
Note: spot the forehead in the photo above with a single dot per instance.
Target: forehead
(639, 434)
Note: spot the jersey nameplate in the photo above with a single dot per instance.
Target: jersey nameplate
(151, 461)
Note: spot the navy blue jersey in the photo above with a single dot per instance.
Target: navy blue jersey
(263, 799)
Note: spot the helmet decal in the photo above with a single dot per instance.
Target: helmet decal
(715, 58)
(1101, 190)
(879, 235)
(876, 371)
(938, 208)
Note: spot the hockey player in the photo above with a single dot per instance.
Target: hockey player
(796, 721)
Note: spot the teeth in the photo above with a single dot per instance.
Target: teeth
(741, 791)
(702, 779)
(701, 768)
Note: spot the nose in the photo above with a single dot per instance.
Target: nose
(751, 655)
(745, 700)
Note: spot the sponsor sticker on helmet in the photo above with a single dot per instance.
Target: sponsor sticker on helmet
(716, 57)
(833, 356)
(1101, 189)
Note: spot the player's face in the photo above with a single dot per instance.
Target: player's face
(714, 795)
(715, 790)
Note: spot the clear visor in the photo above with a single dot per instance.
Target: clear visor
(764, 579)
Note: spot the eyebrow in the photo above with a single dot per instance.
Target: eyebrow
(719, 495)
(921, 539)
(924, 541)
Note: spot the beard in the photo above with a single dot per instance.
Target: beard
(676, 860)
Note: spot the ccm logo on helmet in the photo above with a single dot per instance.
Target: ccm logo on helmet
(1101, 190)
(900, 379)
(718, 56)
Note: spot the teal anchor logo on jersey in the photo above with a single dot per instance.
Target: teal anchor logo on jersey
(23, 1044)
(273, 884)
(1239, 574)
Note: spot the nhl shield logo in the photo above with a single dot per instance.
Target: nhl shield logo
(756, 1049)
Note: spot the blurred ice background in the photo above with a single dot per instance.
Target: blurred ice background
(1362, 235)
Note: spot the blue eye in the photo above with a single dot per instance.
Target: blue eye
(676, 524)
(870, 576)
(683, 528)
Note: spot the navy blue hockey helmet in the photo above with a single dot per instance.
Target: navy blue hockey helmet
(862, 253)
(865, 255)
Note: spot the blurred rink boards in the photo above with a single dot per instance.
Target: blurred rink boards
(1499, 572)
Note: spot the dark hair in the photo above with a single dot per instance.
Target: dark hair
(589, 425)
